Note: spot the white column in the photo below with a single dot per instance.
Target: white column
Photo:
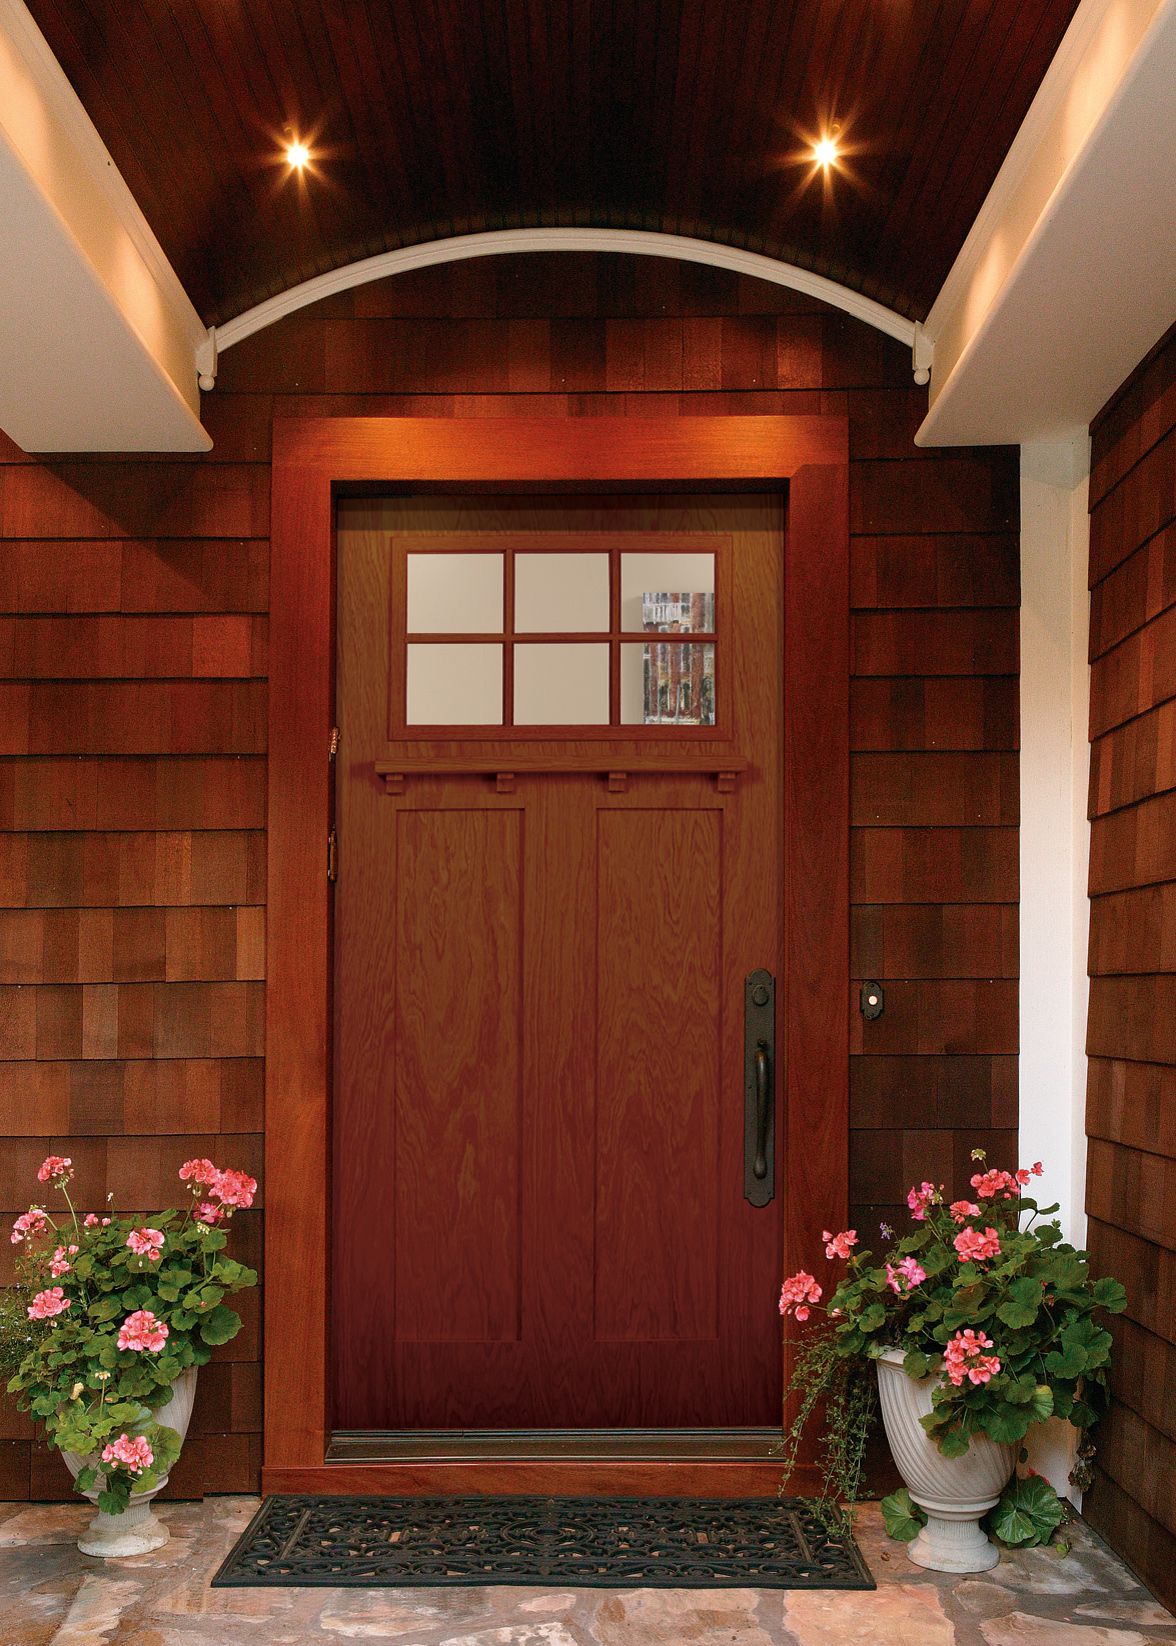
(1054, 846)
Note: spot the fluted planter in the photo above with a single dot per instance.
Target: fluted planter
(136, 1531)
(954, 1492)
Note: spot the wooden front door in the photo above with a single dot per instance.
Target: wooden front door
(559, 858)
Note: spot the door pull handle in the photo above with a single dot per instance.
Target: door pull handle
(759, 1088)
(759, 1166)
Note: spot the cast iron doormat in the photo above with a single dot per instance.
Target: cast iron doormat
(598, 1543)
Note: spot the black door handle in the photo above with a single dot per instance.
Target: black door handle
(759, 1166)
(759, 1082)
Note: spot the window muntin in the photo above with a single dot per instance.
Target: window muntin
(577, 637)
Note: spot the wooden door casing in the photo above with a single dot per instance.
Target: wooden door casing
(315, 458)
(549, 1085)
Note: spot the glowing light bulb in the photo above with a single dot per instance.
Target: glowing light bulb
(297, 155)
(826, 152)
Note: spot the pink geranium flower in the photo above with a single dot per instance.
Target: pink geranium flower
(146, 1243)
(47, 1304)
(1023, 1173)
(962, 1210)
(29, 1225)
(920, 1199)
(206, 1212)
(991, 1184)
(976, 1247)
(839, 1245)
(133, 1453)
(55, 1166)
(798, 1291)
(231, 1188)
(964, 1357)
(59, 1263)
(234, 1188)
(143, 1332)
(199, 1171)
(907, 1275)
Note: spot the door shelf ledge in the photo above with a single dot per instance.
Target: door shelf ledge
(724, 767)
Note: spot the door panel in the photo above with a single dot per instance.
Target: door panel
(538, 1016)
(456, 1076)
(659, 1016)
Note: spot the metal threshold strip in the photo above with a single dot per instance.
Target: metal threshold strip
(546, 1445)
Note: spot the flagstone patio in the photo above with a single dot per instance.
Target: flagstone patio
(50, 1595)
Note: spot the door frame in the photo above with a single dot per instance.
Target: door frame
(314, 460)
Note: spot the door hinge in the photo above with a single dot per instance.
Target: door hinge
(332, 857)
(333, 745)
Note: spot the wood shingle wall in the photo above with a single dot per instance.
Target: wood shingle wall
(1131, 1040)
(132, 718)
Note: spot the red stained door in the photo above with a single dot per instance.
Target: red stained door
(542, 935)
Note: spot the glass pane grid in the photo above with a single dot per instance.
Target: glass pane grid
(493, 661)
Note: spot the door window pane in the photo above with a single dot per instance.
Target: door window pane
(454, 593)
(561, 683)
(667, 683)
(455, 684)
(561, 593)
(689, 607)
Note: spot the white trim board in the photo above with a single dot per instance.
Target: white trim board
(97, 334)
(1054, 846)
(1065, 280)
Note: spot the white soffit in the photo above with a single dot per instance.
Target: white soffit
(98, 339)
(1068, 276)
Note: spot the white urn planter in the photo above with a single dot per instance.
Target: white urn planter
(136, 1531)
(954, 1492)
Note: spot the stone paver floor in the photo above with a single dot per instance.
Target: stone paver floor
(50, 1595)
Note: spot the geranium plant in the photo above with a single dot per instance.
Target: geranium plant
(983, 1293)
(115, 1310)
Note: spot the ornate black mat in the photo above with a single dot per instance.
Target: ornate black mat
(599, 1543)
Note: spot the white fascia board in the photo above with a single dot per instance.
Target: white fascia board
(98, 340)
(1068, 276)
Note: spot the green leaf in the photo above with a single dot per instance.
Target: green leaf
(1084, 1347)
(1069, 1363)
(1011, 1525)
(951, 1442)
(220, 1325)
(916, 1364)
(1023, 1302)
(1005, 1424)
(1110, 1295)
(1028, 1513)
(1042, 1403)
(902, 1515)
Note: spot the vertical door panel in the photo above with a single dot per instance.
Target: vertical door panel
(659, 1016)
(456, 1087)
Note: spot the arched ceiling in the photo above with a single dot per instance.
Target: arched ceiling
(430, 118)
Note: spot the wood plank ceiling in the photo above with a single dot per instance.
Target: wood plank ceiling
(437, 117)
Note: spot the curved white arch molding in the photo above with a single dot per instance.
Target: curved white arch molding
(499, 242)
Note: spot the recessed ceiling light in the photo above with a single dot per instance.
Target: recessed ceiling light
(297, 155)
(826, 152)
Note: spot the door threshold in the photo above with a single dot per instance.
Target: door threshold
(549, 1445)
